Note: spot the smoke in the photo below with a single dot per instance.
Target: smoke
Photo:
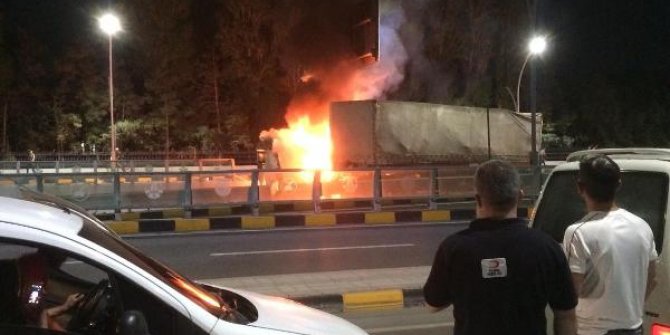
(384, 76)
(425, 80)
(306, 142)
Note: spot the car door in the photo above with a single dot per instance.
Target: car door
(106, 295)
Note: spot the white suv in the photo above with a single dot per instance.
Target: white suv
(126, 292)
(644, 191)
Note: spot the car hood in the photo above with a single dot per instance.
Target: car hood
(286, 315)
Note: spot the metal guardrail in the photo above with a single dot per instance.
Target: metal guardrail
(242, 157)
(197, 187)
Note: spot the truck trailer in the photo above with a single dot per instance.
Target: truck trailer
(396, 133)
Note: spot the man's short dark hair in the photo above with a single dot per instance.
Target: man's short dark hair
(498, 184)
(600, 177)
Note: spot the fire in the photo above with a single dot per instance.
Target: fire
(307, 145)
(306, 142)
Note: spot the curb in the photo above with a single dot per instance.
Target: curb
(264, 208)
(365, 300)
(248, 222)
(297, 207)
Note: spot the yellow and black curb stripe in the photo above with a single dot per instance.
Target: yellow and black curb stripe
(247, 222)
(367, 300)
(264, 208)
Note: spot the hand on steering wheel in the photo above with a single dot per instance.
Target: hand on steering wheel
(88, 307)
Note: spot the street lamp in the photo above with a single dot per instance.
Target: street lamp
(110, 24)
(536, 46)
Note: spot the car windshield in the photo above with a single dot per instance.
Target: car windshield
(642, 193)
(188, 288)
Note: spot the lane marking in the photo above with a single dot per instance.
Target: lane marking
(284, 251)
(411, 327)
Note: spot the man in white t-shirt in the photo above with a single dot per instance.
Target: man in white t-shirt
(611, 254)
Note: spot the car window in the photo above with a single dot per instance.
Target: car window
(642, 193)
(36, 280)
(59, 274)
(79, 269)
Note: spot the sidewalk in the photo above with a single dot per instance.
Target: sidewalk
(353, 289)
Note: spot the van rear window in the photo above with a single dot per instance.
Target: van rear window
(642, 193)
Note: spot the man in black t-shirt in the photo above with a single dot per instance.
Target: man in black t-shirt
(499, 274)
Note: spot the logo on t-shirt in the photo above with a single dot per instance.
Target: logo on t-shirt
(494, 268)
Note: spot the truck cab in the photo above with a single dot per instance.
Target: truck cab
(644, 192)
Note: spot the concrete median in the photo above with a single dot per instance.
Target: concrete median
(340, 291)
(249, 222)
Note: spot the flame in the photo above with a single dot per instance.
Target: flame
(306, 142)
(306, 145)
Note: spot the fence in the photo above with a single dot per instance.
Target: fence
(242, 157)
(194, 187)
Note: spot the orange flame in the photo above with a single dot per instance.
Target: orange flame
(306, 145)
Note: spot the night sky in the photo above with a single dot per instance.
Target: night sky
(587, 38)
(614, 39)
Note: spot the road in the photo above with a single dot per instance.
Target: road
(301, 250)
(284, 251)
(408, 321)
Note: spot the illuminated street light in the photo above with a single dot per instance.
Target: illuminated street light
(110, 25)
(536, 46)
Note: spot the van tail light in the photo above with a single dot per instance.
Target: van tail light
(659, 329)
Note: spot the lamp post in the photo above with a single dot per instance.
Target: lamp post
(110, 25)
(536, 46)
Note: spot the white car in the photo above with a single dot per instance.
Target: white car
(50, 249)
(644, 191)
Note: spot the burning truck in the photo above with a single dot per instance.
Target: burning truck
(391, 134)
(372, 133)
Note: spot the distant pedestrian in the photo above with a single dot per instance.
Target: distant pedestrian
(499, 274)
(611, 253)
(31, 161)
(117, 154)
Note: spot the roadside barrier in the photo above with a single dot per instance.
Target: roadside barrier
(248, 222)
(198, 192)
(366, 300)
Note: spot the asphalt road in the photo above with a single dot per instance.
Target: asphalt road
(302, 250)
(407, 321)
(284, 251)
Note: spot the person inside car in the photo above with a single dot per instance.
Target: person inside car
(33, 277)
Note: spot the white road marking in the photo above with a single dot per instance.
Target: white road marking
(261, 252)
(411, 327)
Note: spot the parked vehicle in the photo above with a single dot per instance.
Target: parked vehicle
(644, 192)
(125, 291)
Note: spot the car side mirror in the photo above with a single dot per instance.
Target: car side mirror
(133, 323)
